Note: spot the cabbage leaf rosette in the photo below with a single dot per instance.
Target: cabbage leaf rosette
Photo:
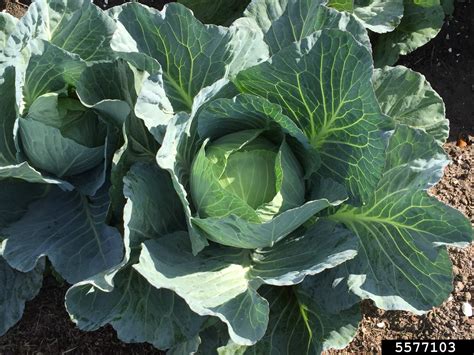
(290, 184)
(56, 148)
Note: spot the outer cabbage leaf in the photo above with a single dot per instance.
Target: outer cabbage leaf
(264, 12)
(316, 315)
(137, 311)
(15, 196)
(376, 15)
(222, 281)
(285, 22)
(10, 167)
(23, 171)
(304, 319)
(120, 296)
(239, 233)
(110, 88)
(77, 26)
(175, 156)
(400, 264)
(192, 56)
(139, 146)
(7, 26)
(153, 106)
(342, 5)
(50, 69)
(306, 253)
(212, 283)
(408, 98)
(17, 288)
(324, 85)
(7, 116)
(70, 229)
(421, 22)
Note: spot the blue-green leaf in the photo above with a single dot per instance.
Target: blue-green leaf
(323, 246)
(237, 232)
(317, 315)
(50, 69)
(120, 296)
(137, 311)
(60, 139)
(378, 15)
(70, 229)
(293, 20)
(408, 98)
(400, 264)
(222, 281)
(192, 56)
(78, 27)
(421, 22)
(8, 114)
(17, 288)
(175, 156)
(25, 172)
(213, 283)
(110, 88)
(15, 197)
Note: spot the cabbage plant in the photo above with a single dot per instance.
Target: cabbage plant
(290, 184)
(258, 180)
(56, 148)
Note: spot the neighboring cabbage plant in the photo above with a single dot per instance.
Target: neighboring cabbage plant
(57, 141)
(398, 26)
(290, 183)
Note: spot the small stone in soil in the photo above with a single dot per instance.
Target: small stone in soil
(467, 309)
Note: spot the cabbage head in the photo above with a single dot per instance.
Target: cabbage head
(248, 167)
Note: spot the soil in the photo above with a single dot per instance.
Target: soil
(448, 64)
(13, 7)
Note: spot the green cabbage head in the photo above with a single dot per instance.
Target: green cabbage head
(61, 128)
(246, 168)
